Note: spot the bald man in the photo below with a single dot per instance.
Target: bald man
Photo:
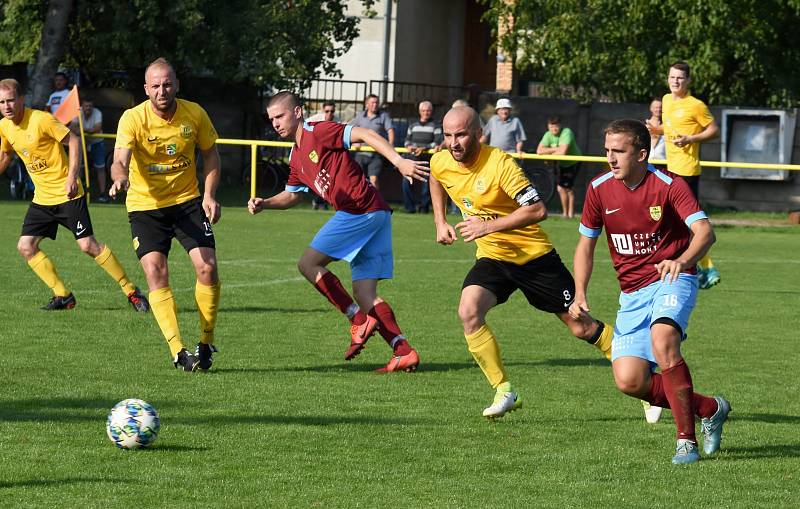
(154, 161)
(501, 212)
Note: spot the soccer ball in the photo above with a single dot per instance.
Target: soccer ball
(132, 424)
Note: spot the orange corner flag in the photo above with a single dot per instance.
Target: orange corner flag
(70, 108)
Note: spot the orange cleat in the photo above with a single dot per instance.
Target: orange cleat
(359, 334)
(408, 363)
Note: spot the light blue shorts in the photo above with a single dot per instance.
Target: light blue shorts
(364, 240)
(640, 309)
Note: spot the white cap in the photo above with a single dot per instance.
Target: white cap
(502, 103)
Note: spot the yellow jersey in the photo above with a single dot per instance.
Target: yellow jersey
(163, 167)
(486, 189)
(37, 141)
(684, 117)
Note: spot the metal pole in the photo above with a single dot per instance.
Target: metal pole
(387, 36)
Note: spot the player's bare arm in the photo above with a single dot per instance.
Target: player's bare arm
(473, 227)
(211, 176)
(445, 233)
(71, 185)
(711, 131)
(583, 264)
(702, 239)
(409, 169)
(5, 161)
(119, 172)
(281, 201)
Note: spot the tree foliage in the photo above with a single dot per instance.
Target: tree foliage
(262, 42)
(743, 52)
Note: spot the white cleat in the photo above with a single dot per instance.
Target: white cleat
(504, 402)
(651, 413)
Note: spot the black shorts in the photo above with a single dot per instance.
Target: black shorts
(545, 281)
(694, 185)
(566, 176)
(43, 220)
(153, 230)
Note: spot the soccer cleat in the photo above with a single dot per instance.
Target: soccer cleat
(504, 402)
(408, 363)
(702, 278)
(359, 334)
(57, 303)
(685, 453)
(651, 413)
(204, 352)
(138, 301)
(186, 360)
(712, 277)
(712, 426)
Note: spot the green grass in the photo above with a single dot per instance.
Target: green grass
(284, 421)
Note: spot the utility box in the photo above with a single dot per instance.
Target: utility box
(757, 136)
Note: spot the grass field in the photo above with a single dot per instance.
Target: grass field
(283, 421)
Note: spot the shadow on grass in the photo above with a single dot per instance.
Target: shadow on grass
(59, 409)
(768, 418)
(267, 309)
(430, 367)
(35, 483)
(302, 420)
(764, 451)
(171, 448)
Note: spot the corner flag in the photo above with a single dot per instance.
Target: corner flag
(70, 108)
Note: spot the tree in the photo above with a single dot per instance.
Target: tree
(54, 30)
(261, 42)
(743, 52)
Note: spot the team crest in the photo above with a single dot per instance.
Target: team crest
(480, 185)
(186, 131)
(313, 156)
(655, 212)
(172, 149)
(467, 203)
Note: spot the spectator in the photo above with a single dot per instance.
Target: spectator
(328, 113)
(658, 149)
(560, 141)
(95, 147)
(375, 120)
(60, 82)
(504, 131)
(421, 136)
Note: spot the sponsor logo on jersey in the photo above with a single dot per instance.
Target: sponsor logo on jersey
(172, 149)
(655, 212)
(467, 202)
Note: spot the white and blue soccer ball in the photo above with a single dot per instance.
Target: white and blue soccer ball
(132, 424)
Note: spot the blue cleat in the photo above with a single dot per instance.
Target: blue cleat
(711, 278)
(702, 278)
(685, 453)
(712, 426)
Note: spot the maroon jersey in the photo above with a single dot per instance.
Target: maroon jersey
(644, 225)
(321, 163)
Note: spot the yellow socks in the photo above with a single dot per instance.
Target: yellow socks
(705, 262)
(110, 264)
(486, 352)
(603, 343)
(207, 298)
(162, 304)
(41, 265)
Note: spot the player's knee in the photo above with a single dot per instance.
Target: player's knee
(26, 248)
(469, 316)
(90, 247)
(581, 330)
(206, 272)
(630, 385)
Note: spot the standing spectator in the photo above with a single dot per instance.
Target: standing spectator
(658, 151)
(687, 123)
(60, 82)
(560, 141)
(328, 113)
(504, 131)
(375, 120)
(95, 147)
(421, 136)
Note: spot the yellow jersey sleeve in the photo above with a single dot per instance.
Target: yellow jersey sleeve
(54, 128)
(512, 179)
(206, 134)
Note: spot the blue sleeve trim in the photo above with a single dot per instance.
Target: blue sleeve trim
(346, 136)
(592, 233)
(695, 217)
(599, 180)
(297, 189)
(307, 126)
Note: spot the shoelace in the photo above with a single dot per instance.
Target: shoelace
(685, 448)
